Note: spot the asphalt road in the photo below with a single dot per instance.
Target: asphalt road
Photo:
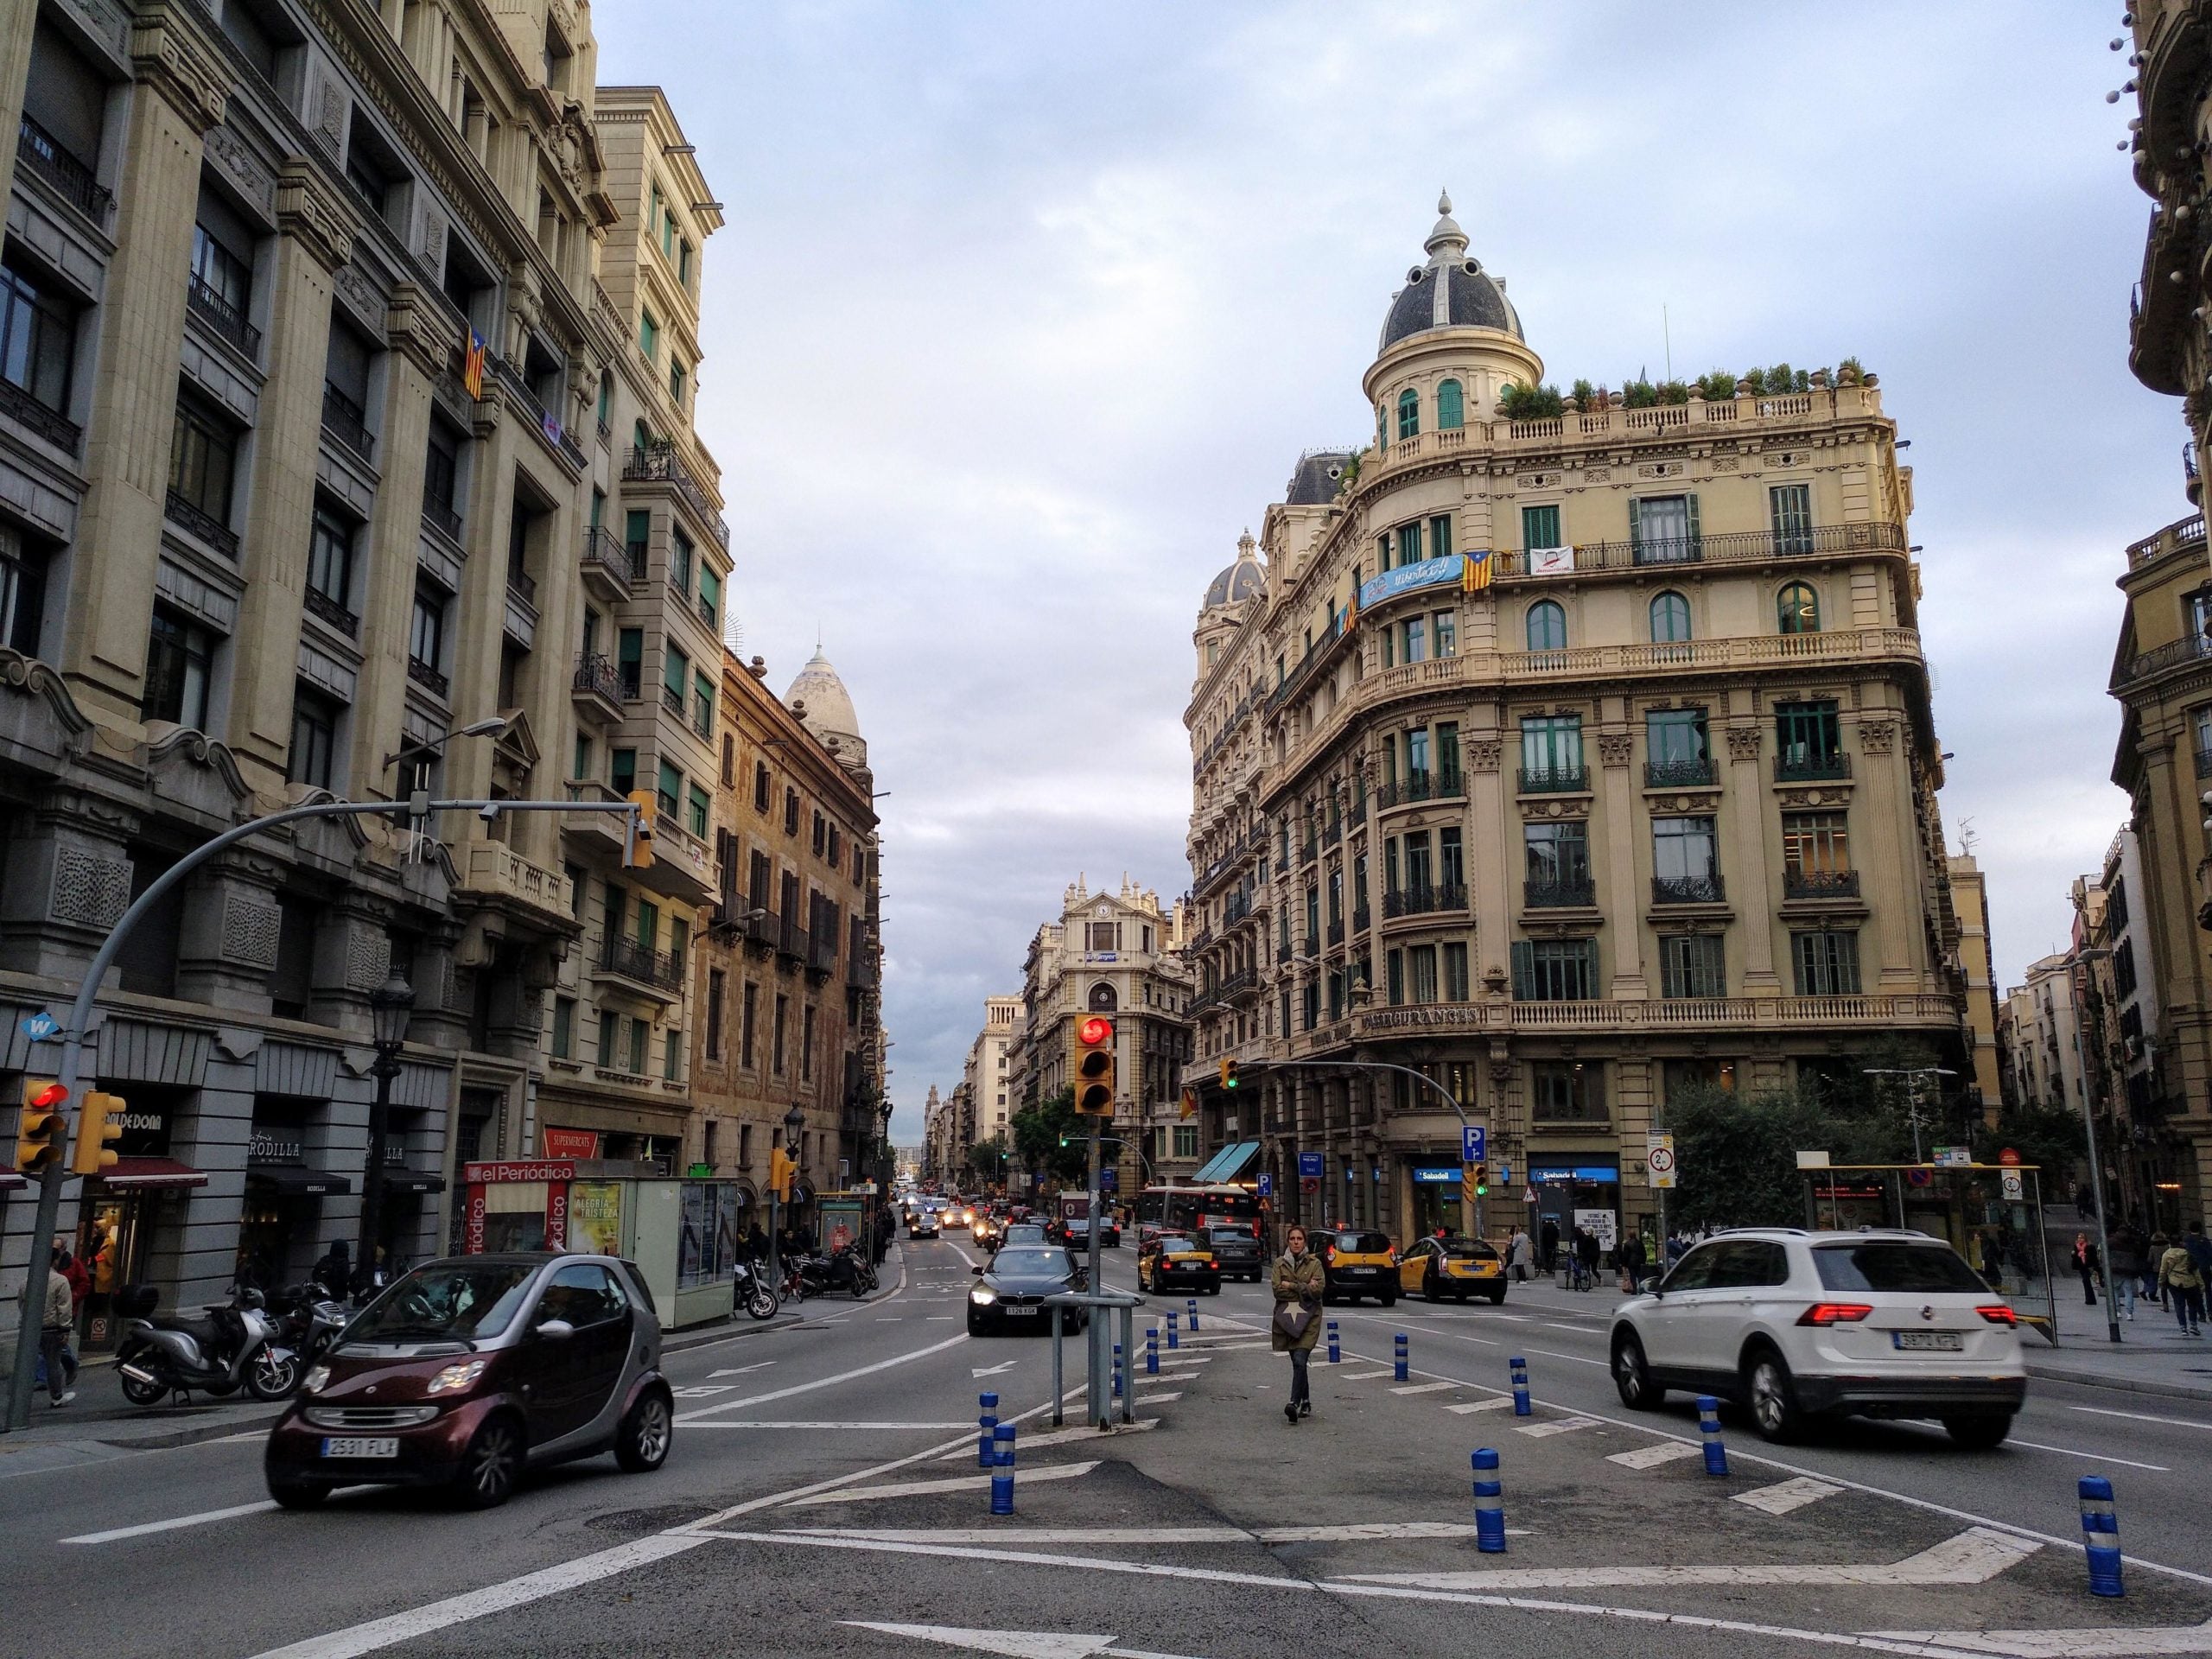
(820, 1487)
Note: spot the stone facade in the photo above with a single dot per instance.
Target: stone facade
(1567, 759)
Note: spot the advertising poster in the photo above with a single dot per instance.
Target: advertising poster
(1599, 1222)
(595, 1217)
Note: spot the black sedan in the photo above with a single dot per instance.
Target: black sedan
(921, 1223)
(1009, 1294)
(1237, 1249)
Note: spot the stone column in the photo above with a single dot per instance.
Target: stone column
(1744, 849)
(181, 94)
(1617, 806)
(227, 947)
(1495, 857)
(316, 236)
(17, 25)
(66, 883)
(352, 953)
(1890, 859)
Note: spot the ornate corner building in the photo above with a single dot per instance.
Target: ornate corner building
(1567, 759)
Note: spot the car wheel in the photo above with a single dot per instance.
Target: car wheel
(1980, 1430)
(1214, 1289)
(1498, 1297)
(1632, 1377)
(1773, 1398)
(1430, 1290)
(487, 1475)
(1389, 1299)
(299, 1494)
(648, 1429)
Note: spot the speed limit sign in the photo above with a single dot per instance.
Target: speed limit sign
(1659, 1160)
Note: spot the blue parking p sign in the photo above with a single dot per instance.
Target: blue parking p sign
(1473, 1143)
(1267, 1186)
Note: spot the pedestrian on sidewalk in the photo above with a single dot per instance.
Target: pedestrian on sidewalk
(58, 1317)
(1300, 1279)
(1631, 1256)
(1587, 1251)
(2185, 1287)
(1550, 1256)
(2086, 1263)
(1520, 1254)
(2126, 1268)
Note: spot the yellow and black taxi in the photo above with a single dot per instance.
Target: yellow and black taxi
(1452, 1266)
(1357, 1263)
(1166, 1260)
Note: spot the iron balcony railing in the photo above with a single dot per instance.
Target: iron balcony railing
(1360, 918)
(428, 677)
(1803, 767)
(181, 511)
(596, 675)
(603, 552)
(1678, 774)
(1336, 932)
(222, 315)
(1551, 780)
(640, 962)
(1820, 884)
(1420, 900)
(441, 517)
(2189, 649)
(1421, 786)
(1687, 890)
(659, 463)
(1729, 547)
(319, 604)
(346, 421)
(26, 411)
(41, 152)
(523, 585)
(1569, 894)
(672, 699)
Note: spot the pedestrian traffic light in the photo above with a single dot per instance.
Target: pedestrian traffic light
(1228, 1074)
(1094, 1066)
(638, 847)
(99, 1124)
(41, 1133)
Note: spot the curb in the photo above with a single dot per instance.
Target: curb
(2122, 1384)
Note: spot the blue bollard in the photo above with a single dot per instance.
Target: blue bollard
(1117, 1371)
(1490, 1507)
(1192, 1303)
(1336, 1348)
(1003, 1470)
(1152, 1351)
(985, 1424)
(1708, 1425)
(1521, 1406)
(2100, 1536)
(1171, 1340)
(1398, 1364)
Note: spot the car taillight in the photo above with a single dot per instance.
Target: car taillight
(1998, 1313)
(1835, 1313)
(1216, 1266)
(1329, 1253)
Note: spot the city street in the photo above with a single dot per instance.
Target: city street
(822, 1497)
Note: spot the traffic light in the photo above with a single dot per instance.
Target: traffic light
(638, 848)
(41, 1133)
(783, 1169)
(1094, 1066)
(1228, 1074)
(1474, 1182)
(99, 1124)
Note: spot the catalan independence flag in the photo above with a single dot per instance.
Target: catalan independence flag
(1477, 572)
(472, 364)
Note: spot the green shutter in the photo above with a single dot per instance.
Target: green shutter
(1523, 954)
(1635, 521)
(1589, 969)
(1696, 547)
(1439, 536)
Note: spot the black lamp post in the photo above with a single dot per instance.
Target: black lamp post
(390, 1007)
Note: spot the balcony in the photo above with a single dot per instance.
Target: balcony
(428, 677)
(1806, 768)
(1734, 547)
(1336, 934)
(596, 688)
(1570, 894)
(1424, 900)
(1688, 890)
(1679, 774)
(606, 833)
(2204, 763)
(2175, 654)
(1820, 884)
(1731, 1014)
(1422, 786)
(441, 517)
(324, 608)
(1308, 948)
(40, 152)
(1334, 835)
(224, 318)
(672, 699)
(1554, 780)
(186, 515)
(659, 463)
(1360, 919)
(34, 417)
(792, 944)
(493, 875)
(661, 971)
(347, 421)
(608, 568)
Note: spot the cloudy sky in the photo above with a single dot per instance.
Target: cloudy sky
(1024, 311)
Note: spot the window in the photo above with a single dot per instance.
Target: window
(678, 377)
(315, 739)
(564, 1027)
(636, 531)
(1540, 527)
(647, 932)
(426, 635)
(1682, 860)
(648, 338)
(1451, 859)
(442, 479)
(701, 804)
(1187, 1140)
(179, 654)
(605, 407)
(1556, 858)
(1827, 963)
(791, 812)
(630, 662)
(1451, 409)
(23, 592)
(710, 598)
(1677, 738)
(748, 1024)
(1455, 973)
(622, 770)
(1790, 510)
(203, 456)
(837, 853)
(1551, 748)
(672, 1064)
(1554, 970)
(675, 677)
(1816, 844)
(1547, 626)
(330, 558)
(1797, 609)
(222, 260)
(1420, 965)
(806, 1045)
(776, 1037)
(702, 705)
(683, 263)
(2123, 969)
(1806, 734)
(821, 838)
(38, 338)
(607, 1022)
(1670, 619)
(1416, 639)
(2116, 908)
(679, 561)
(1439, 536)
(580, 767)
(1663, 529)
(1395, 968)
(1408, 414)
(1567, 1091)
(640, 1035)
(1446, 625)
(671, 790)
(760, 786)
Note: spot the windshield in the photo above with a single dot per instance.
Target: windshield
(1235, 1237)
(1470, 1249)
(1915, 1268)
(1032, 1263)
(445, 1303)
(1363, 1244)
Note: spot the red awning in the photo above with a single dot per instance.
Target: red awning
(141, 1173)
(10, 1180)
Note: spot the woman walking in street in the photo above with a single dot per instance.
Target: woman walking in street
(2185, 1288)
(1299, 1279)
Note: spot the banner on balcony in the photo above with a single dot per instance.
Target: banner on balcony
(472, 364)
(1428, 573)
(1480, 569)
(1550, 561)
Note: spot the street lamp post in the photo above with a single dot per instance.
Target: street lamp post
(2089, 1135)
(389, 1005)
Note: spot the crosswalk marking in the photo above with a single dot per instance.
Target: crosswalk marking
(1424, 1388)
(949, 1483)
(1367, 1376)
(1566, 1425)
(1479, 1405)
(1157, 1399)
(1650, 1457)
(1788, 1496)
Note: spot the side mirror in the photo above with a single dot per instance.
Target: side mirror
(556, 1330)
(977, 1270)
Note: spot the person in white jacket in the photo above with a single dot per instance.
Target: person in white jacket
(1520, 1254)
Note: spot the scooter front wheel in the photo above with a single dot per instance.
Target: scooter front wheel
(761, 1304)
(272, 1376)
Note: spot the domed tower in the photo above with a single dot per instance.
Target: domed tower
(1227, 596)
(819, 698)
(1450, 342)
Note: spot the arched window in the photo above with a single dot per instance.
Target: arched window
(1408, 414)
(1451, 408)
(1798, 609)
(1547, 626)
(1382, 426)
(641, 434)
(605, 397)
(1670, 619)
(1102, 1000)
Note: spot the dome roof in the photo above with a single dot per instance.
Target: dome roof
(1317, 478)
(1451, 291)
(1246, 579)
(828, 707)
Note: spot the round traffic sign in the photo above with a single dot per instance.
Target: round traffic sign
(2008, 1157)
(1660, 1159)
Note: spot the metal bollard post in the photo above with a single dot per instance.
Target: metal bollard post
(1152, 1350)
(985, 1424)
(1399, 1363)
(1171, 1339)
(2100, 1536)
(1708, 1425)
(1520, 1407)
(1489, 1509)
(1003, 1470)
(1117, 1371)
(1192, 1303)
(1336, 1348)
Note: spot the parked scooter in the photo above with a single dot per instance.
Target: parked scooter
(308, 1318)
(754, 1293)
(228, 1348)
(843, 1268)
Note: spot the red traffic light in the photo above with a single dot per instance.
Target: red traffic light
(48, 1098)
(1095, 1031)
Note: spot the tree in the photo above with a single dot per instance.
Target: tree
(989, 1159)
(1737, 1155)
(1051, 1136)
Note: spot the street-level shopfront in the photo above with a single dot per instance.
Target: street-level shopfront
(122, 1212)
(1577, 1189)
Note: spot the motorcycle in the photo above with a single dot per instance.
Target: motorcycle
(228, 1348)
(754, 1293)
(843, 1268)
(310, 1319)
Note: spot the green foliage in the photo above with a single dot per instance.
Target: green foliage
(1779, 381)
(1519, 403)
(1583, 393)
(1673, 392)
(1737, 1155)
(989, 1158)
(1717, 385)
(2048, 1137)
(1851, 373)
(1039, 1131)
(1639, 393)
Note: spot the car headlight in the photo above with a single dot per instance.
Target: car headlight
(317, 1377)
(456, 1376)
(982, 1295)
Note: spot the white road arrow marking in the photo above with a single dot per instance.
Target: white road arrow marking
(1015, 1644)
(740, 1371)
(993, 1370)
(2106, 1643)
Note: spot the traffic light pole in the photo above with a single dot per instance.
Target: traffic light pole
(75, 1028)
(1097, 1331)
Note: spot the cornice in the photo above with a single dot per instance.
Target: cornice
(309, 211)
(170, 53)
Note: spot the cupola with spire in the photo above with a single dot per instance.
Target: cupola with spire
(1451, 290)
(818, 697)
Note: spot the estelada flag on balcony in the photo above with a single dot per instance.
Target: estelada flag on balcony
(472, 365)
(1475, 574)
(1190, 1103)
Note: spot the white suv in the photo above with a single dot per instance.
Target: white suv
(1794, 1323)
